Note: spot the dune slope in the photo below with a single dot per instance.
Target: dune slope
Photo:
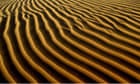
(72, 41)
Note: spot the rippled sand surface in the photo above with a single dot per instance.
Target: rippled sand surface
(72, 41)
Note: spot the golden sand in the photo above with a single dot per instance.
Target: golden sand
(74, 41)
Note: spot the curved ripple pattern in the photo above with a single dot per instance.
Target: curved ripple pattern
(72, 41)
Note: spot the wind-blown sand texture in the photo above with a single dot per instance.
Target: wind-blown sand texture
(70, 41)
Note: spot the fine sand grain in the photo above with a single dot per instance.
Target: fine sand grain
(74, 41)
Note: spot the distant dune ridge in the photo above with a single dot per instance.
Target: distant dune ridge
(73, 41)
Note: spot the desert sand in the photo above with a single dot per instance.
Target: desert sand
(69, 41)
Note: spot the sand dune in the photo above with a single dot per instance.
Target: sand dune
(72, 41)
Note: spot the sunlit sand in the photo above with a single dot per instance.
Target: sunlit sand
(73, 41)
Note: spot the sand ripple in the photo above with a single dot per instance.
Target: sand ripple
(69, 41)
